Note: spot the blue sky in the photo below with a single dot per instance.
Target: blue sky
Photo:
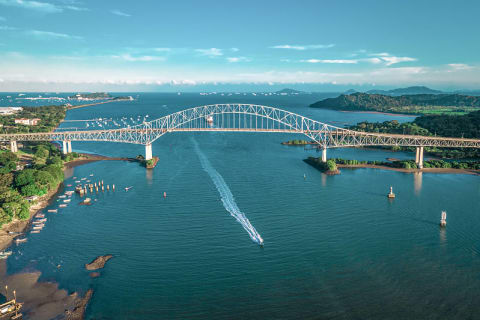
(195, 45)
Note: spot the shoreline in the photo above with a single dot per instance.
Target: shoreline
(384, 113)
(424, 170)
(6, 239)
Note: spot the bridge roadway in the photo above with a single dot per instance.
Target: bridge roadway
(242, 118)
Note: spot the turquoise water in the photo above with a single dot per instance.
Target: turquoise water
(334, 246)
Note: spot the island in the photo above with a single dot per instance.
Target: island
(416, 104)
(98, 262)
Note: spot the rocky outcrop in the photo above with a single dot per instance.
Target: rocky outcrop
(98, 263)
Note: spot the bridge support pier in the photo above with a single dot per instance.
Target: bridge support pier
(419, 157)
(148, 151)
(64, 147)
(69, 146)
(13, 146)
(324, 154)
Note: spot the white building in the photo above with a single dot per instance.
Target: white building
(5, 111)
(27, 122)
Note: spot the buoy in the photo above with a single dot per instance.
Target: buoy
(391, 195)
(164, 194)
(443, 220)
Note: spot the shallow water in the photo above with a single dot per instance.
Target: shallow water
(335, 246)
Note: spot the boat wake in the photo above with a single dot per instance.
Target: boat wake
(227, 196)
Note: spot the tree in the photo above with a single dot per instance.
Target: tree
(44, 179)
(32, 190)
(7, 156)
(42, 152)
(25, 177)
(4, 217)
(331, 165)
(6, 180)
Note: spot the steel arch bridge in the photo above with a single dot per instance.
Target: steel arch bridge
(244, 118)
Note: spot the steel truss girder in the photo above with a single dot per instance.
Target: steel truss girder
(256, 118)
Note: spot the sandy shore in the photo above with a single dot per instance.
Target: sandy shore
(427, 170)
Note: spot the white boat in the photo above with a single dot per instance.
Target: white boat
(6, 253)
(17, 241)
(39, 215)
(62, 206)
(128, 188)
(53, 210)
(67, 200)
(38, 227)
(62, 196)
(35, 231)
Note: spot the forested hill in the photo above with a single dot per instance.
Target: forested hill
(413, 104)
(467, 126)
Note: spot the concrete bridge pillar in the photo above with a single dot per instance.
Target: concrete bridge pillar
(69, 146)
(148, 151)
(419, 157)
(324, 154)
(64, 147)
(13, 146)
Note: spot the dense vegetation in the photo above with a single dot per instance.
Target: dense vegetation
(328, 167)
(408, 104)
(467, 126)
(331, 164)
(41, 175)
(92, 96)
(50, 117)
(296, 142)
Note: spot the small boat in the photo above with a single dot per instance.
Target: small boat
(39, 227)
(91, 174)
(5, 254)
(67, 200)
(52, 210)
(39, 215)
(17, 241)
(83, 179)
(69, 193)
(38, 222)
(62, 206)
(62, 196)
(35, 231)
(164, 194)
(128, 188)
(74, 178)
(77, 181)
(69, 185)
(10, 310)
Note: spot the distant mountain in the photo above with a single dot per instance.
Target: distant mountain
(416, 103)
(350, 91)
(468, 92)
(290, 91)
(406, 91)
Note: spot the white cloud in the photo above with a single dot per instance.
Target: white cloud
(128, 57)
(393, 60)
(238, 59)
(234, 49)
(2, 18)
(460, 66)
(387, 58)
(303, 47)
(45, 7)
(51, 35)
(332, 61)
(212, 52)
(120, 13)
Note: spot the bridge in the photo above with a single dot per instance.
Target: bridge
(242, 118)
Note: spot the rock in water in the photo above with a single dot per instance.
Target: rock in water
(98, 263)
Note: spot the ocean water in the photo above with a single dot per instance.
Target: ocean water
(334, 246)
